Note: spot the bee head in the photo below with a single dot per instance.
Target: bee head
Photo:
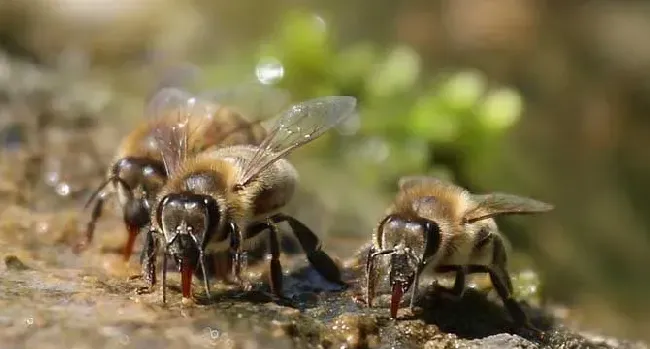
(187, 220)
(136, 180)
(412, 241)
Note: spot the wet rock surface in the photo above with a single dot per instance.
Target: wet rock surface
(53, 298)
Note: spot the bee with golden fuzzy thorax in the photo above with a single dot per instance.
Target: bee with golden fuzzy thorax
(220, 199)
(138, 171)
(440, 226)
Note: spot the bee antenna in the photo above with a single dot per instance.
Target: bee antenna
(101, 187)
(96, 192)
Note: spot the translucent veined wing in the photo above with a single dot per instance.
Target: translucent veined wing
(170, 110)
(493, 204)
(236, 115)
(179, 76)
(256, 102)
(185, 123)
(298, 125)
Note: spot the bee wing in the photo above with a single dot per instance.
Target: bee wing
(170, 110)
(181, 75)
(298, 125)
(493, 204)
(255, 101)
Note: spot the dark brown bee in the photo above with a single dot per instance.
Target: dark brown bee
(219, 199)
(437, 225)
(138, 172)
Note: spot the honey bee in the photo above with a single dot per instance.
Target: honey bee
(218, 200)
(138, 172)
(438, 225)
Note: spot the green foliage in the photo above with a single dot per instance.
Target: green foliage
(406, 116)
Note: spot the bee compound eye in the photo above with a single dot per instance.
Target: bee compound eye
(430, 226)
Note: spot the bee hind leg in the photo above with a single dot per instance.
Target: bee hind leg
(311, 245)
(501, 281)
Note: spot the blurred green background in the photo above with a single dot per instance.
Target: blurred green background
(542, 99)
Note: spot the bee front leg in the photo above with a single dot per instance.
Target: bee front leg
(148, 262)
(90, 226)
(311, 244)
(415, 286)
(371, 277)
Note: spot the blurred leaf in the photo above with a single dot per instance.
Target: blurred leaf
(501, 109)
(463, 90)
(397, 73)
(303, 38)
(387, 116)
(429, 120)
(353, 65)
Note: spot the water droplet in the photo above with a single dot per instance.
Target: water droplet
(269, 71)
(63, 189)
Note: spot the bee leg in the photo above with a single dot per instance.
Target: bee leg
(275, 266)
(148, 262)
(415, 286)
(222, 266)
(371, 277)
(311, 245)
(236, 239)
(503, 285)
(458, 290)
(459, 283)
(90, 227)
(163, 284)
